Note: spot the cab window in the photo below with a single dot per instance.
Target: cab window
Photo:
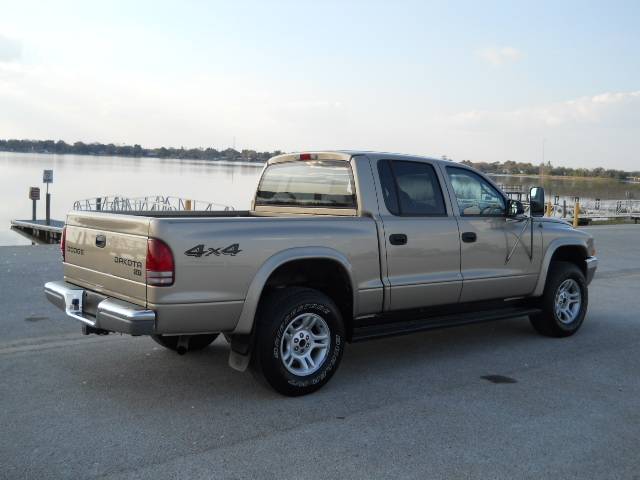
(474, 194)
(411, 188)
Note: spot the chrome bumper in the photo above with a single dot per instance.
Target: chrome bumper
(592, 264)
(110, 314)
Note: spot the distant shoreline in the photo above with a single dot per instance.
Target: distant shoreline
(216, 161)
(260, 163)
(554, 177)
(59, 147)
(246, 156)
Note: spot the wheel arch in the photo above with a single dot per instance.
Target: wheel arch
(280, 265)
(562, 249)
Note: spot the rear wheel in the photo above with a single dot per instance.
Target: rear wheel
(299, 342)
(564, 302)
(190, 343)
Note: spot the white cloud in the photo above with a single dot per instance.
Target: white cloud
(605, 109)
(204, 110)
(10, 49)
(498, 56)
(589, 131)
(96, 104)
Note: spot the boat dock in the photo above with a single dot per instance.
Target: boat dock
(39, 230)
(50, 231)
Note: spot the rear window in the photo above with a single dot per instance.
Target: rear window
(316, 183)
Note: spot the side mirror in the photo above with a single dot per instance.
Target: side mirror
(515, 208)
(536, 202)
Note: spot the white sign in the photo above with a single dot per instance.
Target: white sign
(47, 176)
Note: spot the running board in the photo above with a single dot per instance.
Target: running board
(382, 328)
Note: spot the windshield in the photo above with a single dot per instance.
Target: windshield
(318, 183)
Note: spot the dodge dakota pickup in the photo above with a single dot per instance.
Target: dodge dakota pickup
(337, 247)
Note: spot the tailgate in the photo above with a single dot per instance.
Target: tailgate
(106, 253)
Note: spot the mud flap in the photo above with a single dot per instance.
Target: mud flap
(240, 354)
(239, 362)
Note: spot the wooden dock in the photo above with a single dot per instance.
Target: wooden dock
(38, 230)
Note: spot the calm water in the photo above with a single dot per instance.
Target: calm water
(585, 188)
(77, 177)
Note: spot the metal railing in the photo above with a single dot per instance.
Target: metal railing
(595, 207)
(564, 206)
(150, 203)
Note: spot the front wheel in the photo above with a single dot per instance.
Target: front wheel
(564, 302)
(300, 339)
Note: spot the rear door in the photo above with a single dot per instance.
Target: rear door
(497, 258)
(421, 235)
(107, 253)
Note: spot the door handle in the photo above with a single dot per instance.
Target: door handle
(469, 237)
(398, 239)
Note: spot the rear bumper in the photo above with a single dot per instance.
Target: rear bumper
(110, 314)
(591, 264)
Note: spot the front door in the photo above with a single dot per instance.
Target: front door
(421, 236)
(497, 256)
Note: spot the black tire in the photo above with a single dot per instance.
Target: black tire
(548, 322)
(196, 342)
(284, 311)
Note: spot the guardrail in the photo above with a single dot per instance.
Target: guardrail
(150, 203)
(588, 208)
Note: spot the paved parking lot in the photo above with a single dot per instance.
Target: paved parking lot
(405, 407)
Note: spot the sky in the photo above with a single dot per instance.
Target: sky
(483, 81)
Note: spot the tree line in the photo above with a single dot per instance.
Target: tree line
(110, 149)
(519, 168)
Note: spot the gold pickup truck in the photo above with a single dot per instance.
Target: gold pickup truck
(337, 247)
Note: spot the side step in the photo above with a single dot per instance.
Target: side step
(382, 328)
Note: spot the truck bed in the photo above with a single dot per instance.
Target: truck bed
(216, 256)
(181, 213)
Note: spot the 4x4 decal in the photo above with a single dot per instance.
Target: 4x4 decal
(202, 251)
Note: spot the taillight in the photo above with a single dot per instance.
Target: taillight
(63, 242)
(160, 266)
(308, 156)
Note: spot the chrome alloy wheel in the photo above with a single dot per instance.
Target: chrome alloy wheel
(568, 301)
(305, 343)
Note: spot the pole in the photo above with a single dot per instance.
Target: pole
(564, 209)
(48, 207)
(576, 214)
(33, 210)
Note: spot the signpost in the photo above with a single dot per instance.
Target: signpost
(47, 177)
(34, 195)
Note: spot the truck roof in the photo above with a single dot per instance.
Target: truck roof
(346, 155)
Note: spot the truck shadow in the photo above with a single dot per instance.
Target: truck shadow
(198, 395)
(205, 376)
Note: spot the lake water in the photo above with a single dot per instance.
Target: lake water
(585, 188)
(78, 177)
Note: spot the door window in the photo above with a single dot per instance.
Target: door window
(474, 194)
(411, 188)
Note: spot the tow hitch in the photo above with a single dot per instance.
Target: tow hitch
(89, 330)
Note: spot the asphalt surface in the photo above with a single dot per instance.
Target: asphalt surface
(406, 407)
